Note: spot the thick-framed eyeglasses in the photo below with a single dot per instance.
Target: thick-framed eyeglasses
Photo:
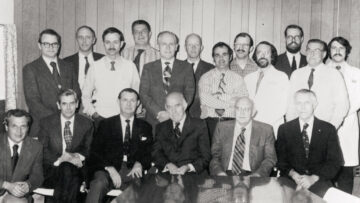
(292, 38)
(52, 45)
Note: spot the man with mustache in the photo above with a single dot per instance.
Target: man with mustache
(243, 46)
(268, 87)
(292, 59)
(339, 49)
(107, 77)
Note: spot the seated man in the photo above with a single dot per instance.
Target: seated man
(66, 137)
(182, 142)
(121, 149)
(308, 148)
(20, 159)
(243, 146)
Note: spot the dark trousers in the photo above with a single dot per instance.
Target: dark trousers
(212, 122)
(345, 179)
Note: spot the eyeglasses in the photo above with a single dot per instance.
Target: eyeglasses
(291, 38)
(53, 45)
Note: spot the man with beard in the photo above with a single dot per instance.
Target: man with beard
(292, 59)
(242, 64)
(339, 49)
(268, 87)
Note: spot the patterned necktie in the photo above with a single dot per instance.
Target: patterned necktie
(127, 138)
(87, 65)
(137, 59)
(222, 84)
(112, 65)
(177, 130)
(167, 76)
(311, 79)
(261, 76)
(293, 64)
(67, 135)
(305, 138)
(56, 74)
(239, 151)
(15, 157)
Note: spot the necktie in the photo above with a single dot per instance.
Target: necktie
(67, 135)
(15, 157)
(311, 79)
(167, 76)
(56, 74)
(338, 67)
(293, 64)
(192, 65)
(137, 58)
(112, 65)
(87, 65)
(127, 138)
(261, 76)
(177, 130)
(222, 84)
(239, 151)
(305, 139)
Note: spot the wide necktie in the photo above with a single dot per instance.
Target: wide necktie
(261, 76)
(239, 151)
(222, 84)
(177, 132)
(56, 74)
(15, 157)
(305, 138)
(87, 65)
(293, 64)
(167, 76)
(127, 138)
(311, 79)
(67, 135)
(137, 59)
(112, 65)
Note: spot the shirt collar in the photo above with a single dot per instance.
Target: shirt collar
(182, 121)
(310, 122)
(83, 56)
(163, 61)
(48, 60)
(291, 55)
(123, 119)
(247, 127)
(63, 120)
(12, 143)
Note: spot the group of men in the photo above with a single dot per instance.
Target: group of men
(95, 115)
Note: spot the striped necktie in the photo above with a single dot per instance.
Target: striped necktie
(239, 151)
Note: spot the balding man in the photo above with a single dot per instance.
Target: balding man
(243, 146)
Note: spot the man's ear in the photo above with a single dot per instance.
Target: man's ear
(58, 105)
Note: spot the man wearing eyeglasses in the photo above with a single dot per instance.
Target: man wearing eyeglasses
(327, 83)
(45, 77)
(292, 59)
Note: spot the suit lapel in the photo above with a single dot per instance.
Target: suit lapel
(185, 130)
(76, 64)
(8, 156)
(175, 71)
(158, 75)
(228, 140)
(302, 61)
(315, 136)
(299, 140)
(24, 158)
(254, 140)
(57, 136)
(63, 72)
(135, 135)
(118, 128)
(199, 70)
(44, 72)
(77, 135)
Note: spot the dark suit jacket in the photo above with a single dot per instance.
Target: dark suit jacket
(29, 166)
(193, 146)
(152, 92)
(325, 156)
(203, 67)
(107, 145)
(261, 152)
(41, 91)
(74, 59)
(283, 64)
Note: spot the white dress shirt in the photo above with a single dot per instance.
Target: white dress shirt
(48, 61)
(11, 144)
(196, 63)
(82, 63)
(124, 124)
(309, 129)
(290, 57)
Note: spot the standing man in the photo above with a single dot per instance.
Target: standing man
(327, 83)
(268, 87)
(292, 59)
(340, 49)
(194, 47)
(219, 87)
(86, 39)
(121, 149)
(243, 46)
(66, 137)
(107, 77)
(20, 159)
(164, 76)
(45, 77)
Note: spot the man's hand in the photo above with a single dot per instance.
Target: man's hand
(114, 175)
(24, 186)
(16, 189)
(307, 181)
(136, 170)
(172, 168)
(72, 158)
(162, 116)
(183, 169)
(295, 176)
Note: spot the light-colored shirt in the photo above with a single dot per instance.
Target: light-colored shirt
(211, 99)
(11, 144)
(48, 61)
(104, 85)
(330, 90)
(124, 124)
(181, 123)
(243, 71)
(247, 135)
(290, 57)
(271, 98)
(349, 131)
(82, 63)
(309, 129)
(150, 54)
(195, 64)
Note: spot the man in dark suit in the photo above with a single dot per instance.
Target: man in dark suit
(308, 149)
(20, 159)
(45, 77)
(66, 137)
(182, 142)
(86, 39)
(194, 47)
(121, 149)
(164, 76)
(243, 146)
(292, 59)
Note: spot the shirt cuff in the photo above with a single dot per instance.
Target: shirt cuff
(192, 168)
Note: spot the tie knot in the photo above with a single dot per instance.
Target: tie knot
(312, 70)
(86, 58)
(112, 63)
(67, 123)
(177, 124)
(167, 63)
(338, 67)
(127, 121)
(53, 64)
(15, 147)
(140, 51)
(305, 126)
(243, 130)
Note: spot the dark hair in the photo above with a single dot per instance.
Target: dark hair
(343, 42)
(293, 26)
(50, 32)
(130, 90)
(67, 92)
(222, 44)
(244, 34)
(274, 53)
(17, 113)
(112, 30)
(140, 22)
(170, 33)
(319, 41)
(86, 27)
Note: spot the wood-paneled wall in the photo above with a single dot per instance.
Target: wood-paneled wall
(214, 20)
